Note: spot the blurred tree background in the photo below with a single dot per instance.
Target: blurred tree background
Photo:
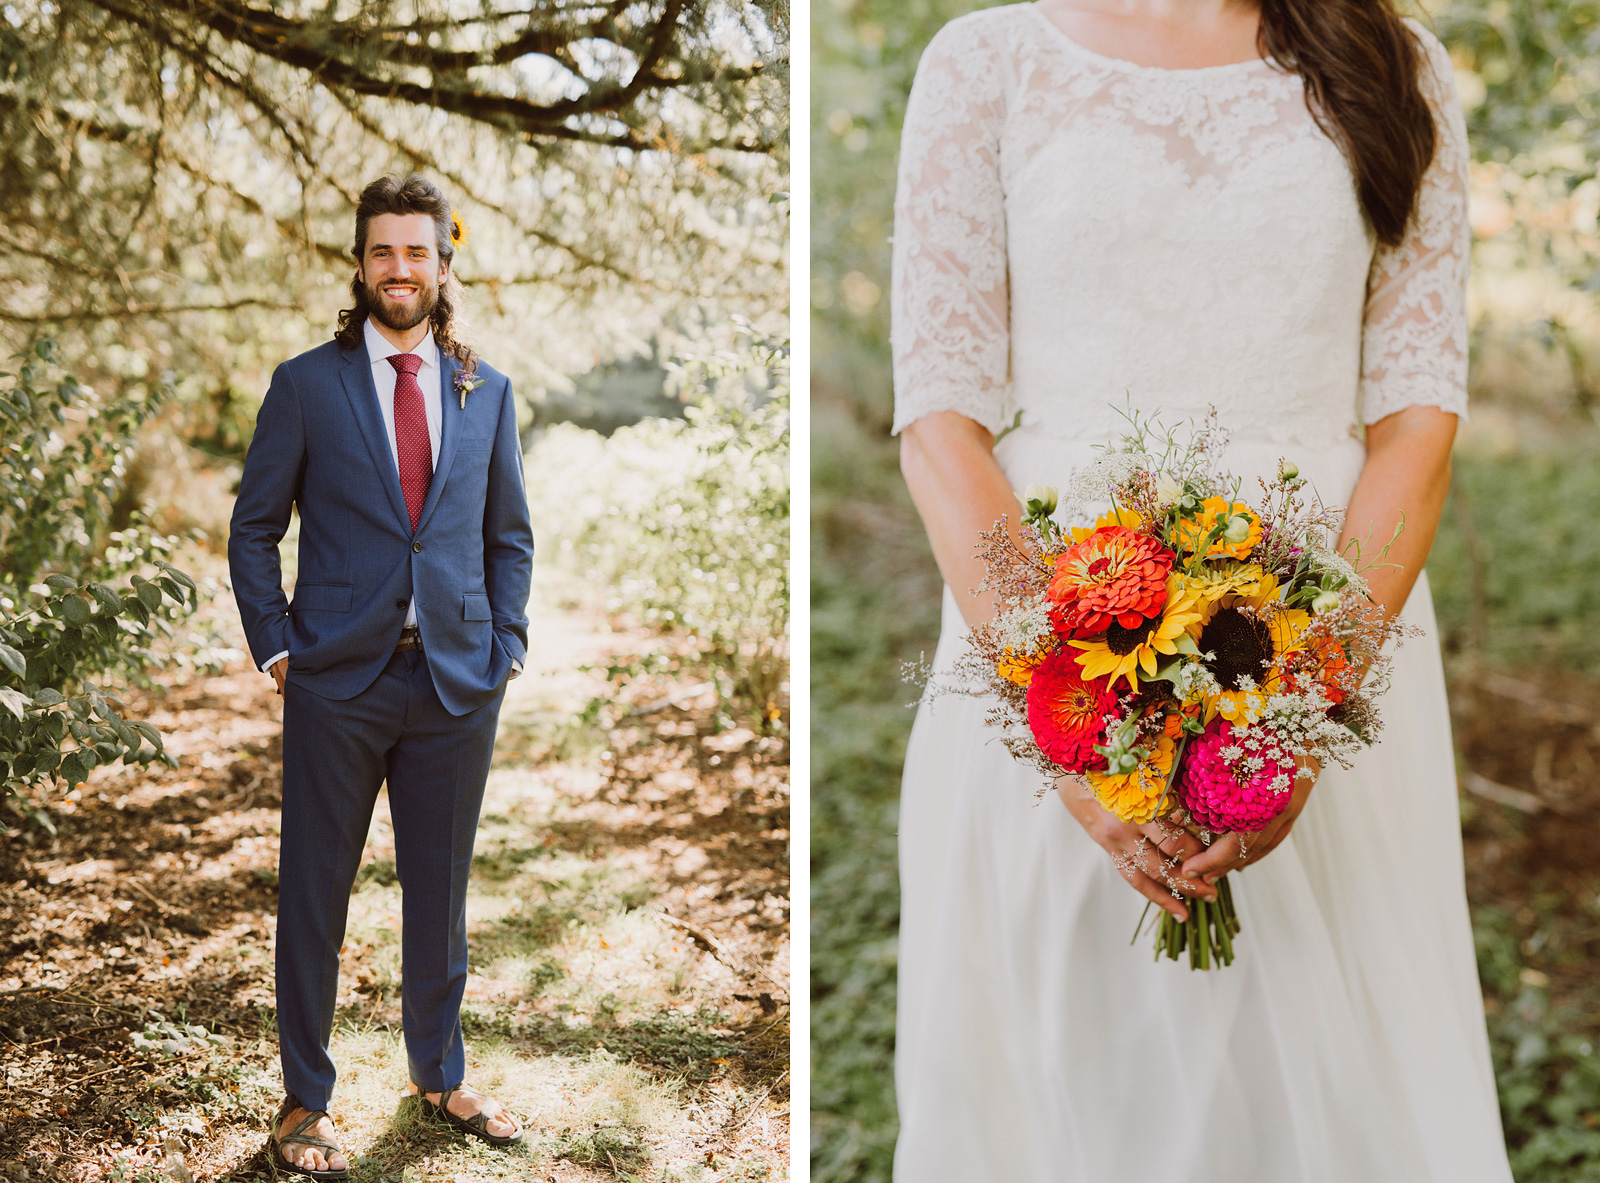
(1515, 573)
(179, 180)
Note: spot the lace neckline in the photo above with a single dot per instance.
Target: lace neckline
(1182, 72)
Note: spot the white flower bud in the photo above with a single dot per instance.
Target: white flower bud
(1238, 530)
(1325, 602)
(1045, 495)
(1291, 471)
(1168, 490)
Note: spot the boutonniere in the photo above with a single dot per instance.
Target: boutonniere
(465, 384)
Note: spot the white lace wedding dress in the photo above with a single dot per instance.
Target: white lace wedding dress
(1070, 228)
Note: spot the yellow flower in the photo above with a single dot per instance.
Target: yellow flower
(1130, 518)
(1287, 625)
(459, 230)
(1227, 584)
(1238, 540)
(1122, 652)
(1018, 667)
(1135, 796)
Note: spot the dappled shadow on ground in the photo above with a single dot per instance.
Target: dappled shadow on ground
(630, 959)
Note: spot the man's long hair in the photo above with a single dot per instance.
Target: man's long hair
(412, 194)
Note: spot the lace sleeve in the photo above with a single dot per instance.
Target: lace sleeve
(1414, 336)
(950, 320)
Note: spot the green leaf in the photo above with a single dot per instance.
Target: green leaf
(61, 582)
(107, 595)
(170, 586)
(137, 610)
(72, 769)
(149, 595)
(178, 575)
(148, 731)
(49, 697)
(46, 761)
(14, 701)
(74, 611)
(13, 661)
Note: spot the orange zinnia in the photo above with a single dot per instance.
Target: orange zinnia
(1114, 576)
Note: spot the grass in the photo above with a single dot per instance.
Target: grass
(1516, 582)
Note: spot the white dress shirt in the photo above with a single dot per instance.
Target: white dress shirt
(384, 376)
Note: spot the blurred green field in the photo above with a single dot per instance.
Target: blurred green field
(1515, 575)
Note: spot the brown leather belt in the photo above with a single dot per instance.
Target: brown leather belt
(410, 638)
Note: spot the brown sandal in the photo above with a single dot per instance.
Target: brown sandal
(280, 1161)
(478, 1124)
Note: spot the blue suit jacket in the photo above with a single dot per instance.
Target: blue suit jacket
(321, 445)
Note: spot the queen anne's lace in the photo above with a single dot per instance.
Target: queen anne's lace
(1071, 228)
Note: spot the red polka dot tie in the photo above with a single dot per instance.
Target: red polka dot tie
(411, 433)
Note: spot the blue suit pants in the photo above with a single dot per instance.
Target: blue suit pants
(336, 755)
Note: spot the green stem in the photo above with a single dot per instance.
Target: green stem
(1206, 936)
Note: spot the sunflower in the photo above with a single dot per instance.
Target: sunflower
(1067, 712)
(459, 230)
(1113, 576)
(1123, 652)
(1249, 652)
(1235, 543)
(1136, 796)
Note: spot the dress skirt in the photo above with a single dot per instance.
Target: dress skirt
(1345, 1044)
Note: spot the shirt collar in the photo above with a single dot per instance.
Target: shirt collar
(379, 346)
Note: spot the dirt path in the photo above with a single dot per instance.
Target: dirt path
(629, 925)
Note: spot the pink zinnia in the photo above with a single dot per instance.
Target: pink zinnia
(1224, 797)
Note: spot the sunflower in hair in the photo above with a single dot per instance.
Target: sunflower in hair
(459, 230)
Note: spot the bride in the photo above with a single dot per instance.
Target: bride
(1193, 203)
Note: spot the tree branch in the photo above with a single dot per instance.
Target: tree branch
(292, 44)
(136, 311)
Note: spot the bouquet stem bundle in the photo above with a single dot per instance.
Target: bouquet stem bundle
(1207, 936)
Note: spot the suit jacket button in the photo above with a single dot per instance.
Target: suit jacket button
(400, 604)
(416, 548)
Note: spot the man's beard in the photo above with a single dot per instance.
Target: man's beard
(403, 319)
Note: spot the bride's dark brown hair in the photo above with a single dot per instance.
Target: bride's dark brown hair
(1361, 67)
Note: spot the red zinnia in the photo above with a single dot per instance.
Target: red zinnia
(1114, 576)
(1067, 713)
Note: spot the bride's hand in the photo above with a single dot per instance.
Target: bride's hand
(1147, 856)
(1232, 852)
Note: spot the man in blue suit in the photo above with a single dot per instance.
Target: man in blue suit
(400, 452)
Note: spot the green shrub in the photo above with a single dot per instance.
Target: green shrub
(73, 603)
(686, 522)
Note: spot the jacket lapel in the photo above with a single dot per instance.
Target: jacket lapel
(450, 413)
(363, 396)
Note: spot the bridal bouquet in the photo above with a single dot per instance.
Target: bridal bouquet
(1187, 654)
